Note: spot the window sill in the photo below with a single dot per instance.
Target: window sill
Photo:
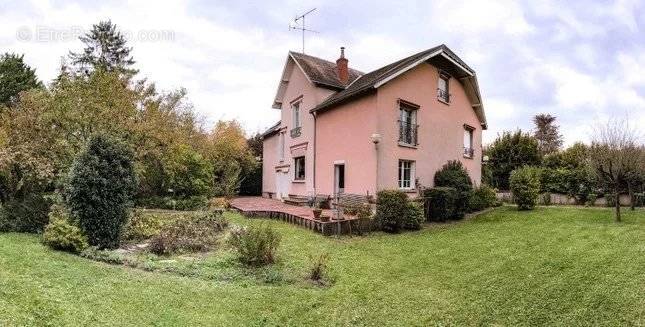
(298, 181)
(408, 190)
(443, 101)
(407, 145)
(468, 157)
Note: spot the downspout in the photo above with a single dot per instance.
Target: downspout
(314, 181)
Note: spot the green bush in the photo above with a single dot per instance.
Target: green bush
(193, 233)
(101, 184)
(61, 235)
(254, 245)
(481, 198)
(453, 174)
(25, 215)
(169, 203)
(525, 186)
(442, 203)
(360, 211)
(394, 212)
(143, 225)
(414, 216)
(509, 152)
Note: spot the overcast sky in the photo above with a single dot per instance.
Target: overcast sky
(580, 61)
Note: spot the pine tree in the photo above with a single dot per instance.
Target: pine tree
(105, 49)
(547, 134)
(15, 77)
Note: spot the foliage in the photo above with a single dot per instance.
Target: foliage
(394, 212)
(453, 174)
(359, 210)
(414, 216)
(60, 234)
(189, 174)
(231, 157)
(170, 203)
(525, 186)
(508, 152)
(143, 225)
(481, 198)
(255, 245)
(547, 134)
(101, 185)
(28, 214)
(15, 77)
(442, 203)
(105, 49)
(251, 183)
(192, 233)
(219, 203)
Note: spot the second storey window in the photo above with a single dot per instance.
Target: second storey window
(443, 88)
(295, 119)
(408, 125)
(299, 168)
(406, 174)
(468, 141)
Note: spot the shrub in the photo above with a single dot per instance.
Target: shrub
(481, 198)
(101, 184)
(25, 215)
(143, 225)
(394, 212)
(318, 269)
(442, 203)
(169, 203)
(508, 152)
(414, 216)
(219, 203)
(194, 233)
(360, 211)
(525, 186)
(62, 235)
(255, 246)
(453, 174)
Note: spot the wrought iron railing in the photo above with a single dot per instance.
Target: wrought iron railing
(469, 152)
(408, 132)
(296, 132)
(443, 95)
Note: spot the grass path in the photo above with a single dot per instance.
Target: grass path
(555, 266)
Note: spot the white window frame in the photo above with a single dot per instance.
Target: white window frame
(297, 166)
(406, 184)
(446, 78)
(468, 135)
(295, 110)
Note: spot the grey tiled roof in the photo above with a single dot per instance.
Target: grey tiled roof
(366, 82)
(322, 72)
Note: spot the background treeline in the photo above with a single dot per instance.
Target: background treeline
(178, 161)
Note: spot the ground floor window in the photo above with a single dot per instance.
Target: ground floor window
(299, 168)
(406, 174)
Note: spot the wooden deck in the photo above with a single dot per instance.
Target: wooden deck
(303, 216)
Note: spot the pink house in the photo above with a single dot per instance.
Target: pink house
(342, 130)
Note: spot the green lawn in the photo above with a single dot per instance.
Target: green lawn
(555, 266)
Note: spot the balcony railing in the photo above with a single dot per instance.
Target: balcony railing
(469, 152)
(408, 133)
(443, 95)
(296, 132)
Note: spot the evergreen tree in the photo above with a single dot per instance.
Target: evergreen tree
(105, 49)
(547, 134)
(15, 77)
(508, 152)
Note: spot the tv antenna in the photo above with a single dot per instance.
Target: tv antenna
(299, 24)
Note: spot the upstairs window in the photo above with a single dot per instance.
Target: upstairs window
(468, 141)
(299, 168)
(408, 125)
(406, 174)
(295, 119)
(443, 91)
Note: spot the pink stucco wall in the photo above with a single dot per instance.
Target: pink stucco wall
(344, 136)
(269, 160)
(440, 132)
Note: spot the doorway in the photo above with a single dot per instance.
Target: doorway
(339, 178)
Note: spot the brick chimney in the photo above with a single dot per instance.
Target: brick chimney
(341, 67)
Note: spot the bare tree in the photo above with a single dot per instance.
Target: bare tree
(547, 133)
(615, 155)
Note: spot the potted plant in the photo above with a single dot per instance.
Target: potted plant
(317, 211)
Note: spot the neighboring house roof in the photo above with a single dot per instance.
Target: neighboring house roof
(440, 56)
(272, 130)
(322, 72)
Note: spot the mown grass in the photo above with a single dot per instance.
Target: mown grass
(551, 266)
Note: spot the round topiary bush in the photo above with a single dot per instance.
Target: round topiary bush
(453, 174)
(99, 194)
(525, 186)
(394, 212)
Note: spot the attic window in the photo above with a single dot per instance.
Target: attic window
(443, 90)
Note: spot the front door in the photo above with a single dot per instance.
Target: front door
(282, 183)
(339, 178)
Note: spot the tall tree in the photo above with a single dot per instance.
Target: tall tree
(15, 77)
(508, 152)
(547, 134)
(105, 49)
(615, 156)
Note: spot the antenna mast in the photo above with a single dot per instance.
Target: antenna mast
(299, 24)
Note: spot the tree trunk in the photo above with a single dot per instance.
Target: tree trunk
(617, 195)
